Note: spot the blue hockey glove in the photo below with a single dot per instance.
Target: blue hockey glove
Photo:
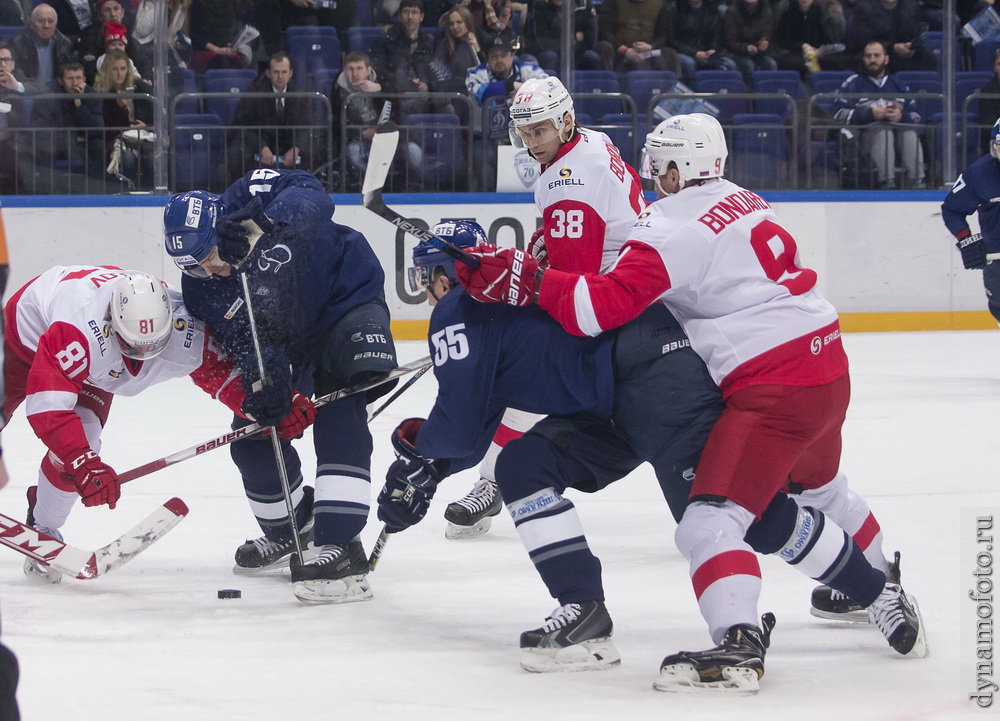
(410, 482)
(972, 248)
(234, 239)
(269, 406)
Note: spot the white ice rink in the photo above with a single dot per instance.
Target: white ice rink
(439, 640)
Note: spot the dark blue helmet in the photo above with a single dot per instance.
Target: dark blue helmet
(428, 255)
(189, 229)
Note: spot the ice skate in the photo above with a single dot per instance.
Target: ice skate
(471, 515)
(33, 569)
(337, 574)
(734, 666)
(833, 605)
(576, 637)
(898, 618)
(261, 555)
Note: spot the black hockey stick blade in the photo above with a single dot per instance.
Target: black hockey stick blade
(378, 548)
(380, 157)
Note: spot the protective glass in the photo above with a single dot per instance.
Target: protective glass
(536, 134)
(141, 352)
(419, 277)
(647, 166)
(188, 267)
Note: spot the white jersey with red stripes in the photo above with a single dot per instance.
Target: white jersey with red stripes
(59, 325)
(589, 198)
(718, 257)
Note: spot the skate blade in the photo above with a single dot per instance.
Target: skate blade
(455, 532)
(309, 552)
(920, 648)
(340, 590)
(683, 678)
(594, 655)
(859, 617)
(37, 572)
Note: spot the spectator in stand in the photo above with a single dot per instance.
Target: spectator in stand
(83, 146)
(698, 38)
(41, 49)
(341, 14)
(94, 42)
(897, 24)
(213, 27)
(358, 78)
(636, 35)
(810, 36)
(989, 108)
(270, 132)
(543, 34)
(15, 12)
(884, 120)
(501, 75)
(123, 151)
(12, 92)
(402, 57)
(491, 20)
(115, 38)
(458, 49)
(748, 27)
(75, 17)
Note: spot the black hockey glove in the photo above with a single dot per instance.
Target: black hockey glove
(972, 248)
(236, 237)
(269, 406)
(410, 482)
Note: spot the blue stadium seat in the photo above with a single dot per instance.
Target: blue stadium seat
(596, 81)
(924, 81)
(966, 83)
(189, 106)
(827, 81)
(226, 80)
(642, 85)
(777, 81)
(312, 47)
(198, 145)
(8, 32)
(758, 153)
(723, 81)
(440, 135)
(362, 38)
(983, 54)
(628, 136)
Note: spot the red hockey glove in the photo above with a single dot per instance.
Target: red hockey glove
(536, 246)
(95, 481)
(302, 416)
(506, 276)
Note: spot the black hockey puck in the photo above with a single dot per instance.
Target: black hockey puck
(230, 593)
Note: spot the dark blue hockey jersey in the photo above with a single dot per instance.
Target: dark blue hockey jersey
(303, 277)
(490, 356)
(977, 189)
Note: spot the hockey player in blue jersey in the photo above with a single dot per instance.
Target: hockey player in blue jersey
(605, 396)
(978, 190)
(318, 302)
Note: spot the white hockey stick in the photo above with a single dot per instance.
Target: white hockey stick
(227, 438)
(86, 565)
(379, 159)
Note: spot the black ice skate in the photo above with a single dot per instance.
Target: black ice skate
(337, 574)
(260, 555)
(576, 637)
(734, 666)
(898, 618)
(32, 568)
(469, 516)
(830, 604)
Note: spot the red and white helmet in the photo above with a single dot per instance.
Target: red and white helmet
(541, 99)
(695, 142)
(141, 315)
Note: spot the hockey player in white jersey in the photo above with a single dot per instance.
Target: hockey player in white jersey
(716, 254)
(76, 336)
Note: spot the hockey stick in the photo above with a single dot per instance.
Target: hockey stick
(400, 391)
(86, 565)
(379, 159)
(254, 428)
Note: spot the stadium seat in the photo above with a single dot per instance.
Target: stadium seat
(230, 81)
(587, 84)
(440, 136)
(642, 85)
(966, 84)
(924, 81)
(362, 38)
(788, 82)
(758, 155)
(627, 132)
(8, 32)
(722, 82)
(312, 47)
(827, 81)
(188, 106)
(198, 145)
(983, 53)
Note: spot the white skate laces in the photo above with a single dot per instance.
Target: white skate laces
(480, 497)
(562, 617)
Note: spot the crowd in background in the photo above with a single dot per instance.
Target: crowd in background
(480, 49)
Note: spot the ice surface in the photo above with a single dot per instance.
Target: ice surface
(439, 641)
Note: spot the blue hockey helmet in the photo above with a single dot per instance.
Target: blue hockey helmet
(189, 229)
(427, 255)
(995, 140)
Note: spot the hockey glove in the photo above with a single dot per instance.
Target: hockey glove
(95, 481)
(269, 406)
(302, 416)
(536, 246)
(972, 248)
(505, 275)
(410, 482)
(238, 232)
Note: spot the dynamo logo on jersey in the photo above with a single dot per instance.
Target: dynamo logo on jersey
(193, 217)
(274, 258)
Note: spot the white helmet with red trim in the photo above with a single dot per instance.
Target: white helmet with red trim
(141, 315)
(541, 99)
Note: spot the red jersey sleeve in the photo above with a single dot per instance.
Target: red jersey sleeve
(219, 377)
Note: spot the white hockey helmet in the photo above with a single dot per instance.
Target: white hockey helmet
(141, 315)
(541, 99)
(695, 142)
(995, 140)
